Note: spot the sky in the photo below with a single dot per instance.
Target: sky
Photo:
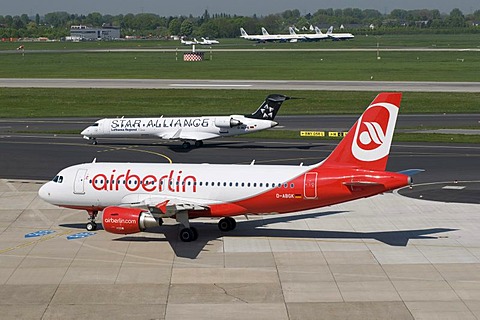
(238, 7)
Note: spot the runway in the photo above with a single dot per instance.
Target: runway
(298, 123)
(376, 86)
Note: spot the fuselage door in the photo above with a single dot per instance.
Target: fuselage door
(78, 185)
(310, 185)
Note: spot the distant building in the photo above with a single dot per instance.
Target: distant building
(88, 33)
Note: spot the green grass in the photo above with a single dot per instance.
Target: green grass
(38, 103)
(305, 65)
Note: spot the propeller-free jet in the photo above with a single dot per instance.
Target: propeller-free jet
(318, 35)
(266, 37)
(188, 129)
(138, 196)
(338, 36)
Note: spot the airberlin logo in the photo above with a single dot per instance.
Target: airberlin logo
(173, 181)
(374, 132)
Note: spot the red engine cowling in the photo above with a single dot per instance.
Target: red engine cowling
(127, 220)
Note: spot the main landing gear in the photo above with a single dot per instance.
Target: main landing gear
(187, 145)
(188, 233)
(91, 225)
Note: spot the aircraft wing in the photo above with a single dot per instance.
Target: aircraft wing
(182, 135)
(166, 205)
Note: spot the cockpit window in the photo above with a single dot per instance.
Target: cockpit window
(58, 179)
(95, 124)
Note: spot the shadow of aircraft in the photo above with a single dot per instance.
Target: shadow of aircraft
(255, 228)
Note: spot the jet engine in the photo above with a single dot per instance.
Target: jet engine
(224, 122)
(127, 220)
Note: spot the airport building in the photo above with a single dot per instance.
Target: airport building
(88, 33)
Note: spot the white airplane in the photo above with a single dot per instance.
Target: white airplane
(310, 36)
(257, 37)
(207, 42)
(338, 36)
(282, 37)
(138, 196)
(266, 37)
(188, 129)
(188, 42)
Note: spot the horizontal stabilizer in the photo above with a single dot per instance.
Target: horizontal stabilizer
(411, 172)
(361, 184)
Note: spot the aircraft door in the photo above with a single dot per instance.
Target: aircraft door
(78, 185)
(310, 185)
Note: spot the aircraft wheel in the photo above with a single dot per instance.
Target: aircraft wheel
(186, 145)
(91, 226)
(187, 235)
(198, 144)
(227, 224)
(160, 222)
(195, 233)
(94, 142)
(232, 222)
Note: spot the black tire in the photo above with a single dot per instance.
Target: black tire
(195, 233)
(160, 222)
(232, 222)
(186, 145)
(94, 142)
(91, 226)
(224, 225)
(186, 235)
(198, 144)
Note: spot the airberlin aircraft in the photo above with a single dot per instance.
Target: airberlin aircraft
(138, 196)
(188, 129)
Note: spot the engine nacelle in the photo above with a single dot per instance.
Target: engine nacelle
(225, 122)
(127, 220)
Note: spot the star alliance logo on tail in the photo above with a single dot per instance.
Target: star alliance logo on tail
(267, 112)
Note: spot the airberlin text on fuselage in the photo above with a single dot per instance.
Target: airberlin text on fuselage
(173, 182)
(129, 124)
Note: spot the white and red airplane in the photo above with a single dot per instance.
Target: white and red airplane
(137, 196)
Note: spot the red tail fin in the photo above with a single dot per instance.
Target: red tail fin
(367, 144)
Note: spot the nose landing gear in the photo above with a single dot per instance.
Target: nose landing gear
(92, 225)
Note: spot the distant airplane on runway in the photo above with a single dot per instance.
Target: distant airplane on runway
(188, 129)
(266, 37)
(187, 42)
(138, 196)
(318, 35)
(207, 42)
(338, 36)
(195, 41)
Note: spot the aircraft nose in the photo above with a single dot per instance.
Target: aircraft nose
(43, 192)
(273, 124)
(85, 131)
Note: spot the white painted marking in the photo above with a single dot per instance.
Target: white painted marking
(453, 187)
(208, 85)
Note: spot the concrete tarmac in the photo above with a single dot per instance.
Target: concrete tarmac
(386, 257)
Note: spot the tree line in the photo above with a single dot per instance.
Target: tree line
(56, 25)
